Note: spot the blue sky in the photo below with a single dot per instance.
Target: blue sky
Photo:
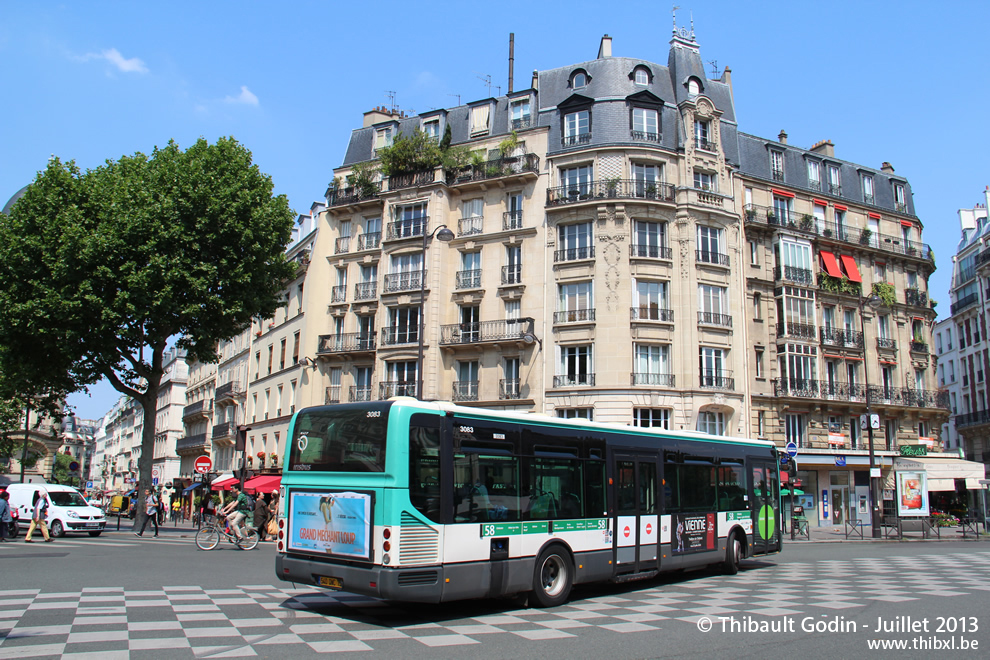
(97, 80)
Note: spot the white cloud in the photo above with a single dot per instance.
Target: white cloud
(245, 97)
(132, 65)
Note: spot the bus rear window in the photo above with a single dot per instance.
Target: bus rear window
(340, 439)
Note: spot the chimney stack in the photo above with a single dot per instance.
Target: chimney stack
(824, 148)
(886, 167)
(605, 47)
(782, 137)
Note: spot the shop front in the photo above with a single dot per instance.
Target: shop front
(834, 488)
(952, 484)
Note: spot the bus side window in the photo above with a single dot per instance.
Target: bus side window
(424, 471)
(486, 488)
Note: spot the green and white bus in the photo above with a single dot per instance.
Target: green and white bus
(432, 502)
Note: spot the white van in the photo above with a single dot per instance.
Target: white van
(68, 510)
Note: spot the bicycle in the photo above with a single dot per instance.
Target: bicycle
(212, 532)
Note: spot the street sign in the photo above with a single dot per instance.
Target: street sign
(840, 461)
(155, 472)
(89, 484)
(792, 449)
(154, 481)
(874, 421)
(73, 466)
(783, 459)
(203, 464)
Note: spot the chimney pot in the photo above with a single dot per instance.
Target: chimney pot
(782, 137)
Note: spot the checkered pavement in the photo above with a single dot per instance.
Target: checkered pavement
(250, 620)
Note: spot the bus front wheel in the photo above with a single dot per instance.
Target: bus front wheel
(733, 554)
(553, 577)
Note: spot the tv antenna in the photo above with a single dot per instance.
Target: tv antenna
(487, 79)
(391, 99)
(458, 98)
(715, 73)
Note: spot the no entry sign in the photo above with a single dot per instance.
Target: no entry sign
(203, 464)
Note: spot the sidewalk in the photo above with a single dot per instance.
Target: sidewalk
(183, 529)
(837, 534)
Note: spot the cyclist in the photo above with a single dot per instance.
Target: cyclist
(237, 511)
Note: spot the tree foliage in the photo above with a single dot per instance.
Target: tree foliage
(99, 269)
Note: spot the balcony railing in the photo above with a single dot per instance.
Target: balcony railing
(521, 123)
(645, 136)
(349, 342)
(651, 251)
(611, 189)
(819, 389)
(467, 279)
(482, 331)
(465, 390)
(840, 337)
(353, 195)
(191, 442)
(413, 179)
(410, 281)
(574, 254)
(410, 228)
(512, 220)
(717, 380)
(342, 245)
(201, 408)
(338, 294)
(793, 274)
(512, 274)
(574, 316)
(651, 313)
(919, 347)
(357, 393)
(886, 342)
(916, 297)
(777, 175)
(509, 388)
(365, 290)
(708, 257)
(905, 396)
(707, 145)
(228, 391)
(224, 430)
(659, 380)
(796, 330)
(711, 318)
(401, 335)
(493, 169)
(332, 395)
(570, 380)
(835, 189)
(371, 240)
(574, 140)
(389, 388)
(470, 226)
(964, 302)
(972, 418)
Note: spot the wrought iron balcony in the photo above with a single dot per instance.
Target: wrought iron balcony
(512, 220)
(365, 291)
(470, 226)
(332, 395)
(390, 388)
(574, 254)
(493, 169)
(793, 274)
(708, 257)
(815, 185)
(900, 207)
(465, 390)
(796, 330)
(835, 189)
(819, 389)
(717, 380)
(356, 393)
(369, 241)
(355, 194)
(611, 189)
(342, 245)
(658, 380)
(886, 342)
(521, 123)
(512, 274)
(191, 443)
(410, 228)
(509, 388)
(223, 430)
(919, 347)
(913, 398)
(651, 251)
(338, 294)
(467, 279)
(484, 331)
(410, 281)
(972, 418)
(645, 136)
(574, 316)
(412, 179)
(776, 174)
(570, 380)
(840, 337)
(199, 409)
(400, 335)
(350, 342)
(707, 145)
(964, 302)
(711, 318)
(229, 391)
(575, 140)
(651, 313)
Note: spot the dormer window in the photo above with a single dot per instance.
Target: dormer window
(432, 128)
(480, 118)
(520, 114)
(383, 138)
(776, 165)
(694, 87)
(579, 79)
(641, 76)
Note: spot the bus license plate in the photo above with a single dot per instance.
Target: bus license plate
(331, 582)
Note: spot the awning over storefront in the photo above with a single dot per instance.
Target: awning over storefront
(263, 484)
(942, 472)
(224, 484)
(189, 489)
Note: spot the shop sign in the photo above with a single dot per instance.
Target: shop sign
(914, 450)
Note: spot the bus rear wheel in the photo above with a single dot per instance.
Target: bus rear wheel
(733, 555)
(553, 577)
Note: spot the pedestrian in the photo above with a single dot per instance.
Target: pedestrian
(5, 517)
(160, 510)
(261, 516)
(39, 517)
(151, 509)
(176, 508)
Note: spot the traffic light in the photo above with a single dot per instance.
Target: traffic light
(240, 440)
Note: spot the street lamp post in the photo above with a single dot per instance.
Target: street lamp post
(445, 235)
(873, 301)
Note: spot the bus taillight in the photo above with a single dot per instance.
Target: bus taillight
(387, 533)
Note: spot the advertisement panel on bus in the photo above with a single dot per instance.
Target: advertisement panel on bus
(331, 523)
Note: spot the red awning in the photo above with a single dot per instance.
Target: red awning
(850, 265)
(781, 193)
(820, 202)
(907, 223)
(875, 216)
(225, 484)
(831, 266)
(265, 483)
(841, 207)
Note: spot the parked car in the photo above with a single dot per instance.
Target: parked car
(68, 510)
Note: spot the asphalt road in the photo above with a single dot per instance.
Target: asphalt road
(118, 596)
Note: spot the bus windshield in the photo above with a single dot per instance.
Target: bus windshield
(340, 438)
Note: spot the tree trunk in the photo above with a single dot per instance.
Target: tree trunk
(149, 404)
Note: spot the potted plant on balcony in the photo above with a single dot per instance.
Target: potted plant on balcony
(750, 214)
(771, 216)
(864, 238)
(274, 458)
(807, 222)
(250, 460)
(612, 186)
(261, 459)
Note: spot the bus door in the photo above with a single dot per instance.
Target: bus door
(764, 493)
(636, 508)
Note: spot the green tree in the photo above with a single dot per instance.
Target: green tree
(98, 270)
